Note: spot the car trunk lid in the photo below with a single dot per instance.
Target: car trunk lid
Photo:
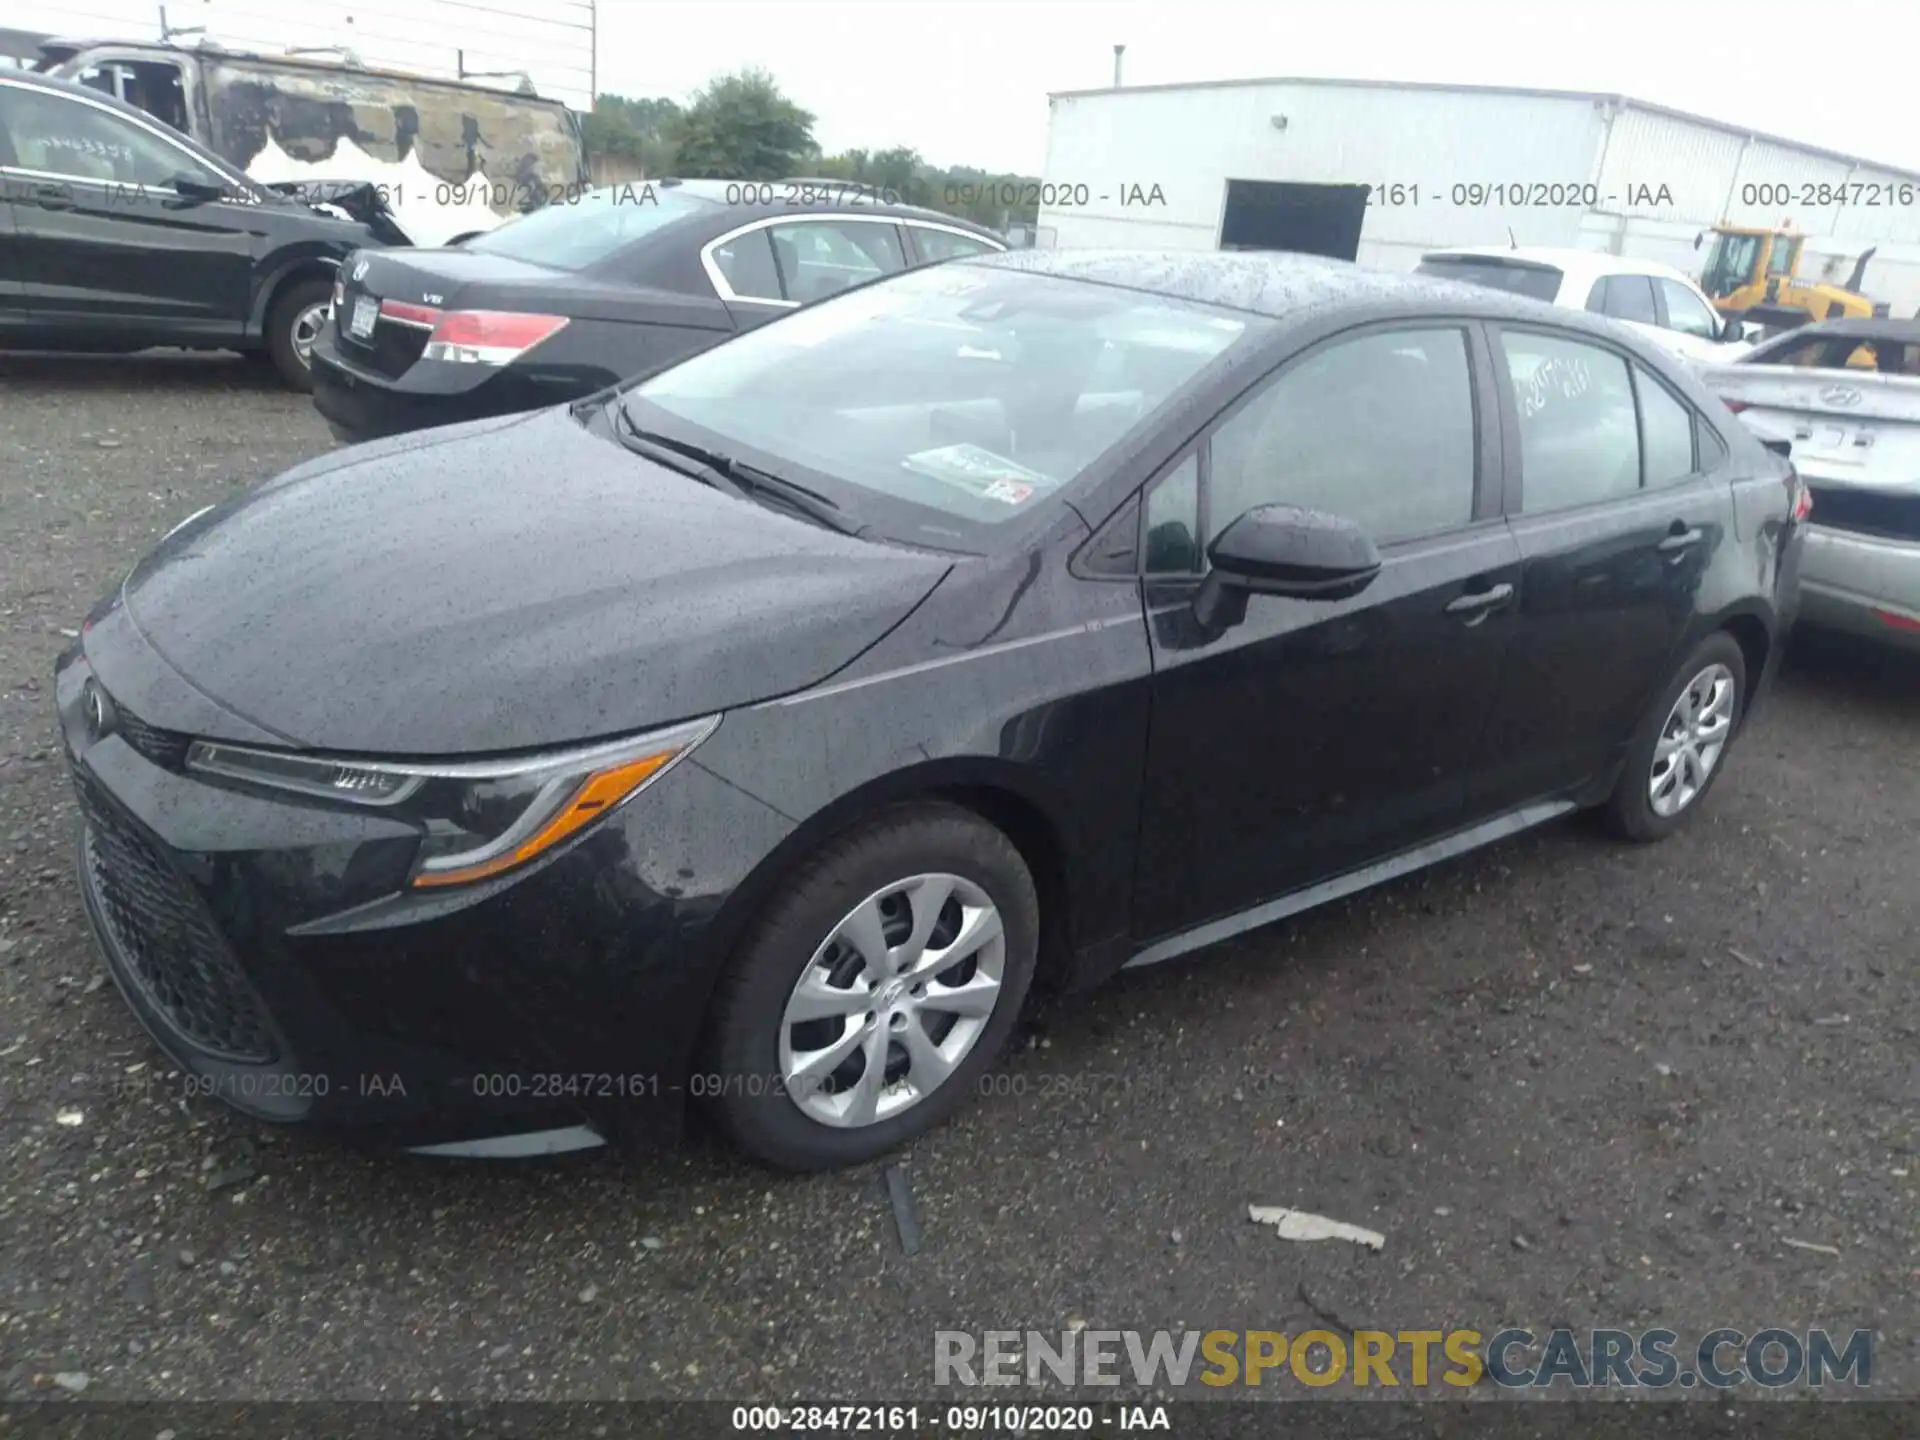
(1854, 437)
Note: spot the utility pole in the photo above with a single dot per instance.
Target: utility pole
(1118, 51)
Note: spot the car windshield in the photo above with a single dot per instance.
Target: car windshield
(947, 401)
(1537, 282)
(575, 232)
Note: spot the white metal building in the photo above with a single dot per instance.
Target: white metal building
(1246, 162)
(551, 42)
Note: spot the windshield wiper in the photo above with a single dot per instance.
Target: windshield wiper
(676, 457)
(723, 472)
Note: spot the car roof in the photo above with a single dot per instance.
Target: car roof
(1273, 283)
(1568, 259)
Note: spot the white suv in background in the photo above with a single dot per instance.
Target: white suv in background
(1657, 300)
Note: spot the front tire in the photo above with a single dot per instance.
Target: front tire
(298, 315)
(1680, 746)
(875, 991)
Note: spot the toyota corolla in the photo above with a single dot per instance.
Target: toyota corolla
(762, 733)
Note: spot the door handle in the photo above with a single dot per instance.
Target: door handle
(52, 197)
(1476, 605)
(1680, 540)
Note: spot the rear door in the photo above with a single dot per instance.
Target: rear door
(103, 241)
(1618, 501)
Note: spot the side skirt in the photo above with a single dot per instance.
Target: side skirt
(1405, 863)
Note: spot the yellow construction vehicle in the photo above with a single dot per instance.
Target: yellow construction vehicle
(1751, 273)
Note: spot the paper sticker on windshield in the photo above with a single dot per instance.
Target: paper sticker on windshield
(979, 472)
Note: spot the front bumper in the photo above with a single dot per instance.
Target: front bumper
(1863, 584)
(270, 948)
(361, 404)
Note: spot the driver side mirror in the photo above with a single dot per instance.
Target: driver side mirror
(1732, 327)
(1283, 550)
(1698, 237)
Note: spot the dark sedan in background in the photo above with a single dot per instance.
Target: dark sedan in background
(764, 731)
(588, 292)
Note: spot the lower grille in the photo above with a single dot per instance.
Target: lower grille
(1867, 512)
(167, 748)
(171, 951)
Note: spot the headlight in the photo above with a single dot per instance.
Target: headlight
(482, 817)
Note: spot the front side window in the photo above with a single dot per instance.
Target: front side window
(1173, 522)
(1687, 312)
(1782, 257)
(818, 258)
(1378, 429)
(1579, 433)
(948, 400)
(58, 135)
(1630, 297)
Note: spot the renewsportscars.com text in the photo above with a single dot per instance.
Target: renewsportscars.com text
(1721, 1359)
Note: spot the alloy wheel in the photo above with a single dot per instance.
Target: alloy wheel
(1692, 740)
(307, 326)
(893, 1000)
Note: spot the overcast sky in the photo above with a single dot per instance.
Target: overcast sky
(967, 83)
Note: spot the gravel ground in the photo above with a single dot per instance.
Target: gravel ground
(1572, 1082)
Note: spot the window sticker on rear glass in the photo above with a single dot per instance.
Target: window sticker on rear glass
(1552, 377)
(981, 473)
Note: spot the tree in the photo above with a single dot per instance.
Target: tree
(634, 130)
(740, 127)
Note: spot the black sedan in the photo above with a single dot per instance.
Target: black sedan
(763, 732)
(598, 289)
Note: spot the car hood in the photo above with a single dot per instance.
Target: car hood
(504, 585)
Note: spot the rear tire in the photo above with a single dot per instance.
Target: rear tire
(1681, 744)
(293, 324)
(833, 969)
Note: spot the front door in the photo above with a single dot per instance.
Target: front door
(1619, 502)
(1315, 736)
(103, 240)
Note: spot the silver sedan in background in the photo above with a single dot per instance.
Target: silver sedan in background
(1845, 396)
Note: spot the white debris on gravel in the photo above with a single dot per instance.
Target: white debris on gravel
(1302, 1225)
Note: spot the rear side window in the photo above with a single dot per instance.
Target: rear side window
(1666, 432)
(747, 263)
(1579, 433)
(1536, 282)
(59, 135)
